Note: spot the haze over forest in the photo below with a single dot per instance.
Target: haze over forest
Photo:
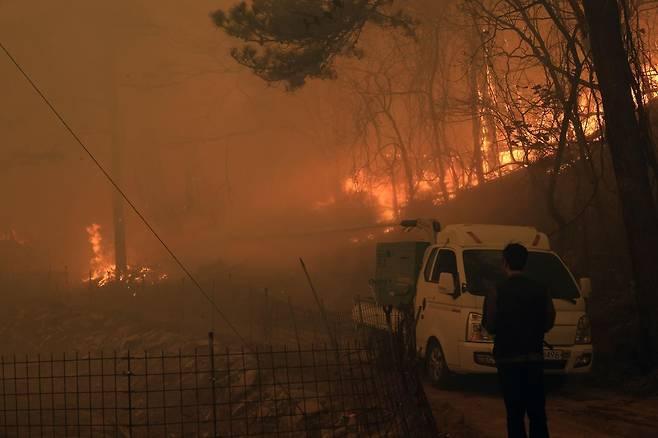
(212, 155)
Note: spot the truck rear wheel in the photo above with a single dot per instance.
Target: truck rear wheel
(435, 365)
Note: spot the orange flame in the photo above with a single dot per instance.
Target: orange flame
(102, 272)
(381, 194)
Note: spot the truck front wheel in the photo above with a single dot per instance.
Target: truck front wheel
(435, 364)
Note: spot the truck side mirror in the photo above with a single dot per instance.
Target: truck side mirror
(585, 287)
(446, 283)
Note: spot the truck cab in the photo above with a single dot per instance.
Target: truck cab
(456, 273)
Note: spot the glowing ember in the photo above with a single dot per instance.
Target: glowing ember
(102, 272)
(510, 158)
(425, 184)
(651, 82)
(382, 194)
(319, 205)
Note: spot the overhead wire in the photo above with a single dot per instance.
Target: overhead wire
(310, 233)
(125, 197)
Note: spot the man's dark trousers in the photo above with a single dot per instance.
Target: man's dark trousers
(523, 390)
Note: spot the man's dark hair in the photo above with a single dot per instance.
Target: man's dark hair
(515, 256)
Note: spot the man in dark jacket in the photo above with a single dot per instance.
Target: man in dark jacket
(518, 313)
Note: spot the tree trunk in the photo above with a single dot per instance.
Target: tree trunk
(627, 149)
(489, 123)
(395, 203)
(474, 70)
(404, 156)
(431, 102)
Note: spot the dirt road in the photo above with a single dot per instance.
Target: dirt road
(473, 408)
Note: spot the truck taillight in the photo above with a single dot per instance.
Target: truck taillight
(583, 331)
(474, 330)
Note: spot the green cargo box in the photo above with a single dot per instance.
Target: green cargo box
(396, 272)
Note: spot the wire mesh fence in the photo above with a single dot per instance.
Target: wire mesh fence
(315, 391)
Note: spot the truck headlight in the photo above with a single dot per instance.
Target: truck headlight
(583, 331)
(474, 330)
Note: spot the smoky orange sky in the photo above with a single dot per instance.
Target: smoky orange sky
(211, 154)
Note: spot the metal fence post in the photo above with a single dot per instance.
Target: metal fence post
(77, 393)
(358, 302)
(66, 396)
(40, 395)
(267, 332)
(146, 392)
(130, 398)
(294, 320)
(250, 317)
(320, 303)
(4, 396)
(211, 352)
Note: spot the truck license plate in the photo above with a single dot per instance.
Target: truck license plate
(552, 354)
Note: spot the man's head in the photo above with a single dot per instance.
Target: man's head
(515, 256)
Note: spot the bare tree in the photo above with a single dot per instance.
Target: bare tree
(539, 78)
(538, 71)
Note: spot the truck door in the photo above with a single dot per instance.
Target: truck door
(424, 293)
(444, 311)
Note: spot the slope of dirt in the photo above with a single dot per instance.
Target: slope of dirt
(474, 408)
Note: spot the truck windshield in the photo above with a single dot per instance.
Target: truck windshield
(484, 270)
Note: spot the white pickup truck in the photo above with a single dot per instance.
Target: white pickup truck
(458, 267)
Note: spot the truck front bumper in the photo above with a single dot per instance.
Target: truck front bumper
(477, 358)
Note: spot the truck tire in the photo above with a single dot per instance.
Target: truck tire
(436, 367)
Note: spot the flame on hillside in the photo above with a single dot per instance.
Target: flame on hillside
(383, 195)
(388, 193)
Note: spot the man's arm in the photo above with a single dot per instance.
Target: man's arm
(550, 312)
(489, 311)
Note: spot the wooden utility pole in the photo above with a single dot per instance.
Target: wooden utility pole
(120, 258)
(117, 37)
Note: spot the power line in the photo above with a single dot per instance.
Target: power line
(310, 233)
(123, 195)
